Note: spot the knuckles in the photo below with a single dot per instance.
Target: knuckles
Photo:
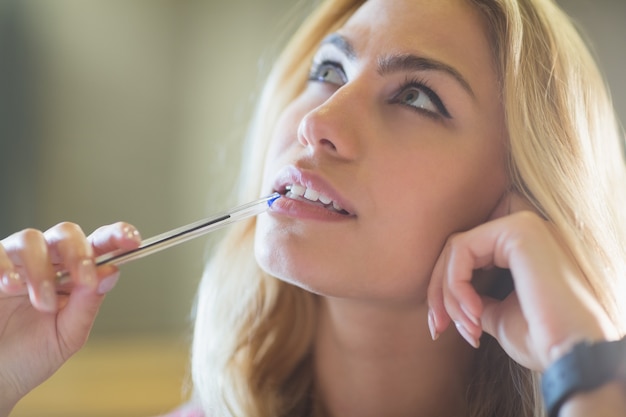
(527, 227)
(527, 219)
(515, 232)
(521, 223)
(68, 229)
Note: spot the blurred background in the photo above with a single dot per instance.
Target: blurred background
(135, 110)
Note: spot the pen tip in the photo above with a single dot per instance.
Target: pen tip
(274, 198)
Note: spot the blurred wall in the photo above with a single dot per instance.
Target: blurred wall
(134, 110)
(603, 23)
(130, 110)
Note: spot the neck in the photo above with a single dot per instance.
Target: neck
(380, 360)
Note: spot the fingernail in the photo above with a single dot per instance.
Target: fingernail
(131, 233)
(11, 279)
(431, 325)
(108, 283)
(87, 274)
(466, 335)
(47, 297)
(470, 316)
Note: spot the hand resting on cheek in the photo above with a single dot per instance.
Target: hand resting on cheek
(552, 306)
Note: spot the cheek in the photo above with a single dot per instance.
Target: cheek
(476, 191)
(442, 197)
(284, 138)
(472, 191)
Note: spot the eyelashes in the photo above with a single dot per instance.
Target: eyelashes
(413, 93)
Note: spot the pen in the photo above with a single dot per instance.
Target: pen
(179, 235)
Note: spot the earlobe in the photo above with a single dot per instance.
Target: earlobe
(503, 206)
(511, 202)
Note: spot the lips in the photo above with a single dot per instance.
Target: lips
(308, 187)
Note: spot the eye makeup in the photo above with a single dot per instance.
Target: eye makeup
(421, 86)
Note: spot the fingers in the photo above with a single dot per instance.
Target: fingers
(438, 319)
(523, 243)
(499, 325)
(77, 317)
(119, 236)
(28, 253)
(113, 237)
(552, 304)
(78, 314)
(68, 245)
(11, 281)
(451, 295)
(30, 258)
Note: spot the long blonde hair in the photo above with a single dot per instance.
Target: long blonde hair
(253, 333)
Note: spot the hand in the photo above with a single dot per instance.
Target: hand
(40, 328)
(552, 306)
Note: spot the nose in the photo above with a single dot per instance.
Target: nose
(332, 127)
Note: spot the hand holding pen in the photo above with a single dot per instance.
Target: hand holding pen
(28, 259)
(52, 284)
(177, 236)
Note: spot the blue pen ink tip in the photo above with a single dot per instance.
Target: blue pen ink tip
(274, 198)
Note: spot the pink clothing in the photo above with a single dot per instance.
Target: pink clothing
(186, 411)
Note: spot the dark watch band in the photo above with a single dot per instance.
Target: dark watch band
(585, 367)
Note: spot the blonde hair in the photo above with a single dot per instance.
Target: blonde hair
(253, 333)
(248, 357)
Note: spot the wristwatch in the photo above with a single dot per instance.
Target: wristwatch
(586, 367)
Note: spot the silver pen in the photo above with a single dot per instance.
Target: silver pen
(179, 235)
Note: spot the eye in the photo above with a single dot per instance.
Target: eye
(418, 96)
(328, 72)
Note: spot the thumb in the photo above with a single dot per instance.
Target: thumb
(498, 324)
(76, 319)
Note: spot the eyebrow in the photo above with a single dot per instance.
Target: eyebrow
(340, 43)
(402, 62)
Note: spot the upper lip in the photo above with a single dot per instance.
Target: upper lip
(292, 175)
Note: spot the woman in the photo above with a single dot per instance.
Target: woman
(431, 157)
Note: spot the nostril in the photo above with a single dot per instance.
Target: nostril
(327, 143)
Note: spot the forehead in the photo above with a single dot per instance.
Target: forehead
(451, 31)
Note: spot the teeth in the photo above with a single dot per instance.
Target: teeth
(312, 195)
(297, 190)
(324, 200)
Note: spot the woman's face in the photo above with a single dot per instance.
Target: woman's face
(396, 142)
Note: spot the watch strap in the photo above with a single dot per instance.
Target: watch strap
(586, 367)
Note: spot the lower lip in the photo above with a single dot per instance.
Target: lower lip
(304, 210)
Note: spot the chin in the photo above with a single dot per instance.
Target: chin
(326, 271)
(283, 268)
